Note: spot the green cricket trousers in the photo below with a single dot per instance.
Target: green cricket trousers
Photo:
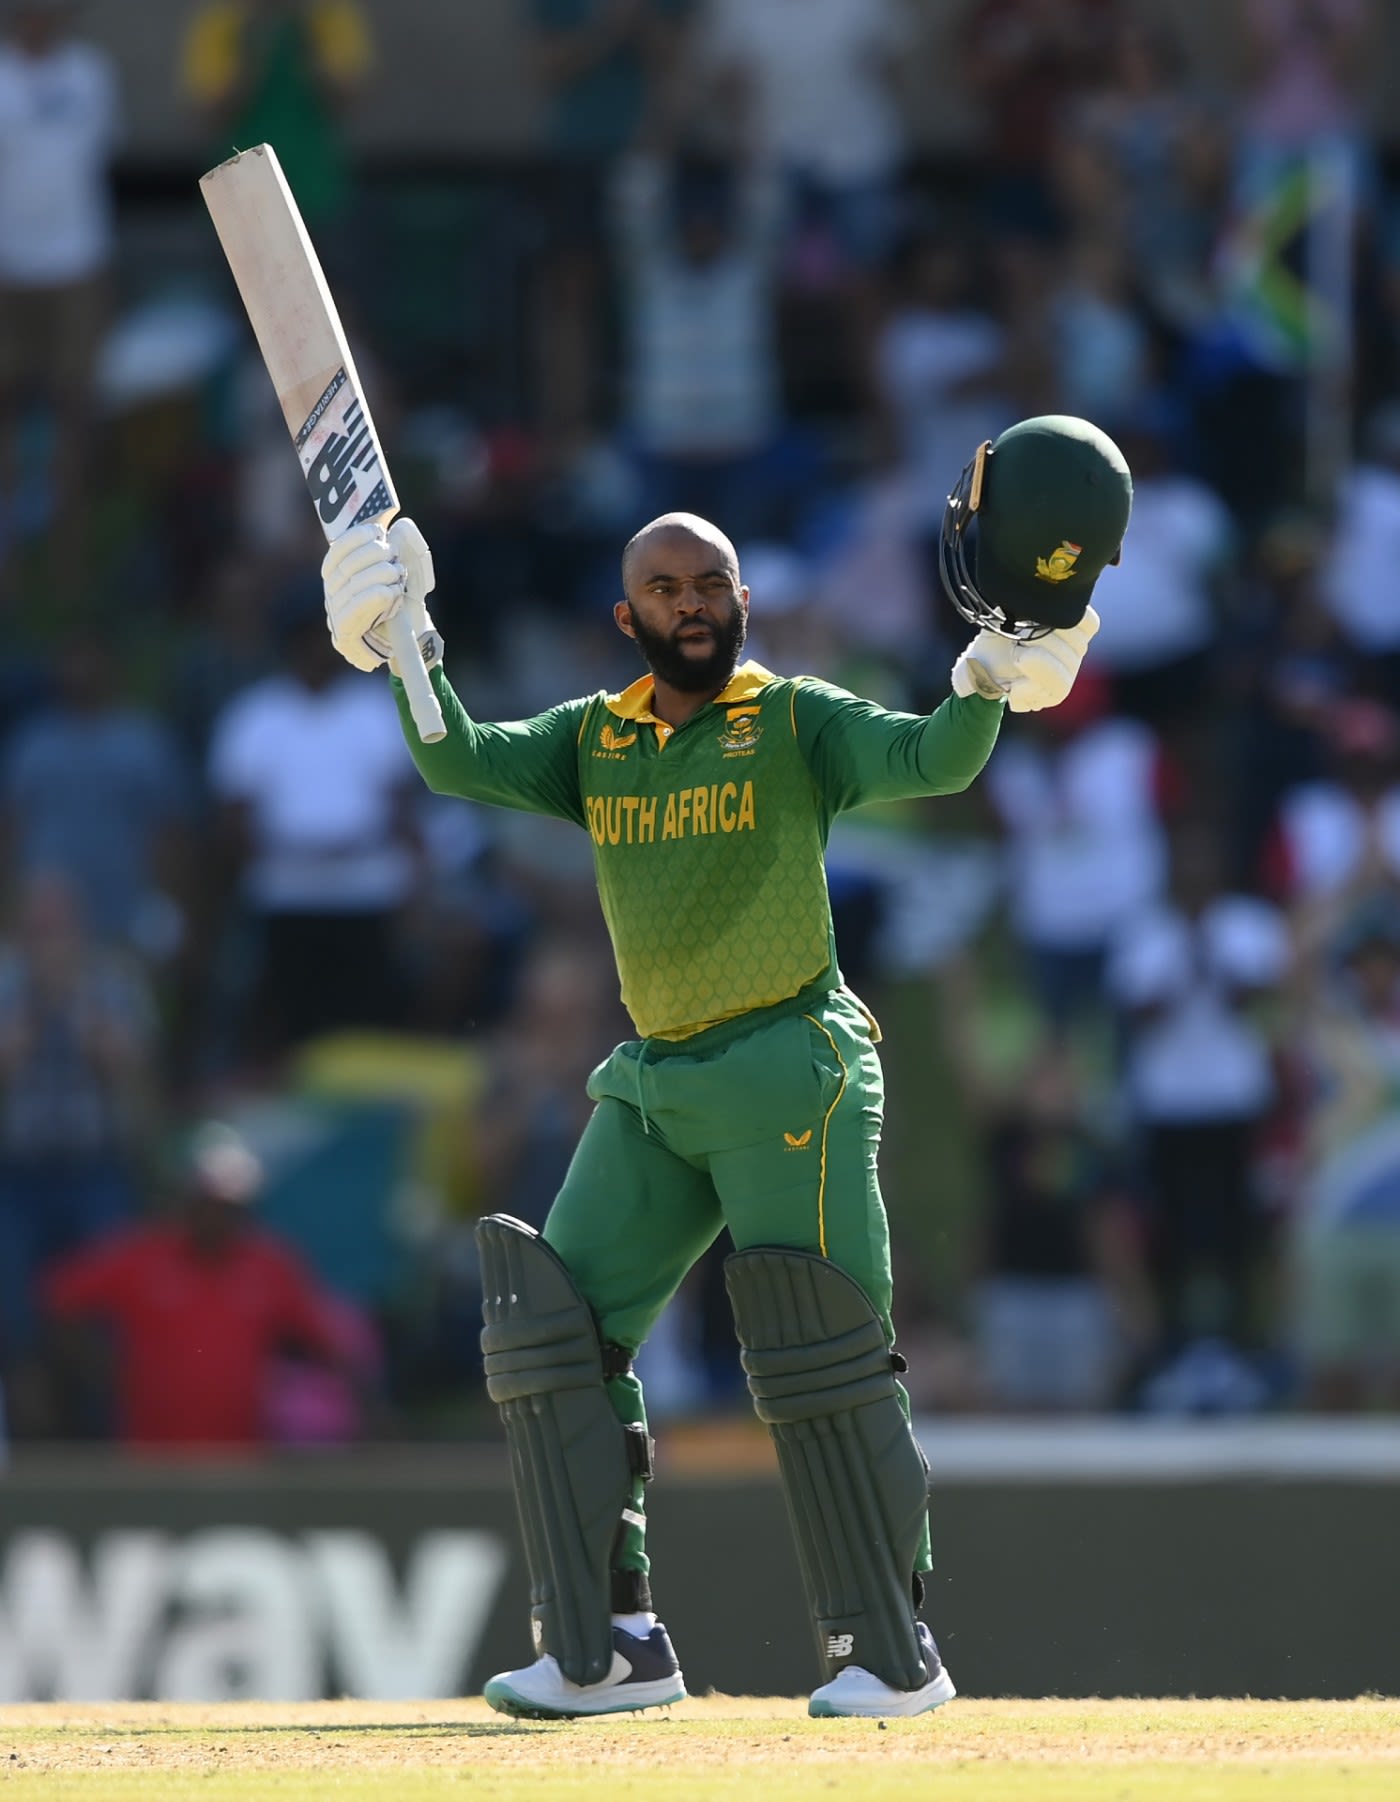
(769, 1125)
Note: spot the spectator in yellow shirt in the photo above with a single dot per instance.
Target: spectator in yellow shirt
(282, 72)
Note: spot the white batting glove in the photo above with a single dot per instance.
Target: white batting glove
(369, 575)
(410, 547)
(1027, 674)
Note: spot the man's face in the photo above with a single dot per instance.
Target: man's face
(214, 1222)
(686, 609)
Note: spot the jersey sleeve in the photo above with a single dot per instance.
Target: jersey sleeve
(95, 1280)
(531, 765)
(304, 1313)
(858, 752)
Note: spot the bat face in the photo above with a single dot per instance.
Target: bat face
(340, 460)
(303, 343)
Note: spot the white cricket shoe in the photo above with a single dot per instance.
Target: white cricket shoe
(855, 1691)
(644, 1674)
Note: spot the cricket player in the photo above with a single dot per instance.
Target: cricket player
(751, 1096)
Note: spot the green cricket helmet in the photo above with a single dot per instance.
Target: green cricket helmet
(1031, 524)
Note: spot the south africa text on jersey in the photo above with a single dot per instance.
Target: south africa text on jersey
(686, 813)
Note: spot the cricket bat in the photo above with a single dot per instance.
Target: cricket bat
(298, 330)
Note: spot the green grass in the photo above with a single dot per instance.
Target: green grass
(1045, 1783)
(718, 1749)
(1057, 1784)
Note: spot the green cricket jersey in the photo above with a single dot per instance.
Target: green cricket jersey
(708, 838)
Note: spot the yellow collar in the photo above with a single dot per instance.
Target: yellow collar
(634, 703)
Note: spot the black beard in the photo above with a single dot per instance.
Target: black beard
(669, 663)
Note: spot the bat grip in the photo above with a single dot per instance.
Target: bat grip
(422, 697)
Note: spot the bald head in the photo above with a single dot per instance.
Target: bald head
(685, 606)
(676, 526)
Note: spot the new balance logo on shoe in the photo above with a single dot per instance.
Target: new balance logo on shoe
(853, 1691)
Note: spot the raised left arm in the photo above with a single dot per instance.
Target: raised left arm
(858, 752)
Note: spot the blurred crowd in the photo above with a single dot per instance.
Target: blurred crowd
(276, 1024)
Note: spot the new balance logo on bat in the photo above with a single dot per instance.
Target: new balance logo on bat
(798, 1144)
(335, 442)
(331, 477)
(840, 1645)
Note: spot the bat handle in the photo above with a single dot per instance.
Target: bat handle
(422, 697)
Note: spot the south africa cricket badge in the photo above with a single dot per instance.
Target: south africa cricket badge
(742, 730)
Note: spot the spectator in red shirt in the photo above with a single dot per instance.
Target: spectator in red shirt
(200, 1308)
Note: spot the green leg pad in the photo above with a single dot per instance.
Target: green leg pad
(568, 1449)
(822, 1377)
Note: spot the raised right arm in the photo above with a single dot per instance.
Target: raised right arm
(527, 764)
(370, 575)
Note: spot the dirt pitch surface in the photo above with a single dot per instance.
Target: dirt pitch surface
(724, 1748)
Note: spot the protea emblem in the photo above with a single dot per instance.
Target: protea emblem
(1059, 565)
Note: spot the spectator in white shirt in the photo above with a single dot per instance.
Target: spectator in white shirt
(1103, 347)
(1358, 585)
(1341, 832)
(703, 409)
(1156, 638)
(58, 126)
(316, 785)
(1077, 792)
(1199, 1080)
(815, 85)
(939, 371)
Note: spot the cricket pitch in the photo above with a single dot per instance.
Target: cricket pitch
(711, 1749)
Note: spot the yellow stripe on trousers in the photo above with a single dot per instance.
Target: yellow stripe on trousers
(826, 1122)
